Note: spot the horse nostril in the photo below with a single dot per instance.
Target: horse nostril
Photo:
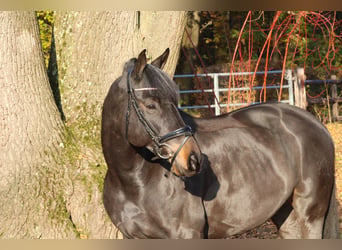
(193, 162)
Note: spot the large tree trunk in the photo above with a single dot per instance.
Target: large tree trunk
(32, 200)
(91, 49)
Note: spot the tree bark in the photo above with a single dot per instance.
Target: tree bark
(92, 48)
(30, 135)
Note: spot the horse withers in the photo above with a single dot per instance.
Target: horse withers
(174, 176)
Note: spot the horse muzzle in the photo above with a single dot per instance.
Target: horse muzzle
(182, 150)
(189, 161)
(195, 163)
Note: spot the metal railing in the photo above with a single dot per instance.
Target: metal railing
(217, 89)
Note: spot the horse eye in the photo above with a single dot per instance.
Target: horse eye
(151, 106)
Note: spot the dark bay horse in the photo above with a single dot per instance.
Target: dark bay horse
(174, 176)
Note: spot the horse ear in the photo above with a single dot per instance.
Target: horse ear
(161, 60)
(139, 65)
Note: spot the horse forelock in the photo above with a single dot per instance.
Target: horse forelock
(155, 82)
(129, 65)
(162, 86)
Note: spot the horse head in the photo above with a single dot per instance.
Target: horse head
(152, 119)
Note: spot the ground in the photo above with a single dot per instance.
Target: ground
(268, 230)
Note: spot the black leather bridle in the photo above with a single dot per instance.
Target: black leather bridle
(160, 142)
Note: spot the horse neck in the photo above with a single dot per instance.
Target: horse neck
(123, 159)
(127, 165)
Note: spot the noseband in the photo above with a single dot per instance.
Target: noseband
(159, 141)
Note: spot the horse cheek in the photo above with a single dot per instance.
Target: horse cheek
(137, 135)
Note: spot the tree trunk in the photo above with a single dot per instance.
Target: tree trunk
(31, 198)
(91, 49)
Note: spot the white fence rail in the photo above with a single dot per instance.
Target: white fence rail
(217, 89)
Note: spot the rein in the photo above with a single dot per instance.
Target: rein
(159, 141)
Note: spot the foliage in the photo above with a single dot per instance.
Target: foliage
(235, 41)
(313, 38)
(45, 22)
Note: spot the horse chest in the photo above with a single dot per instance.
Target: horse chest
(158, 210)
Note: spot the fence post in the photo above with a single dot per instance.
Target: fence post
(217, 94)
(289, 79)
(299, 88)
(334, 107)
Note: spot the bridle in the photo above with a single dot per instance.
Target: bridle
(160, 142)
